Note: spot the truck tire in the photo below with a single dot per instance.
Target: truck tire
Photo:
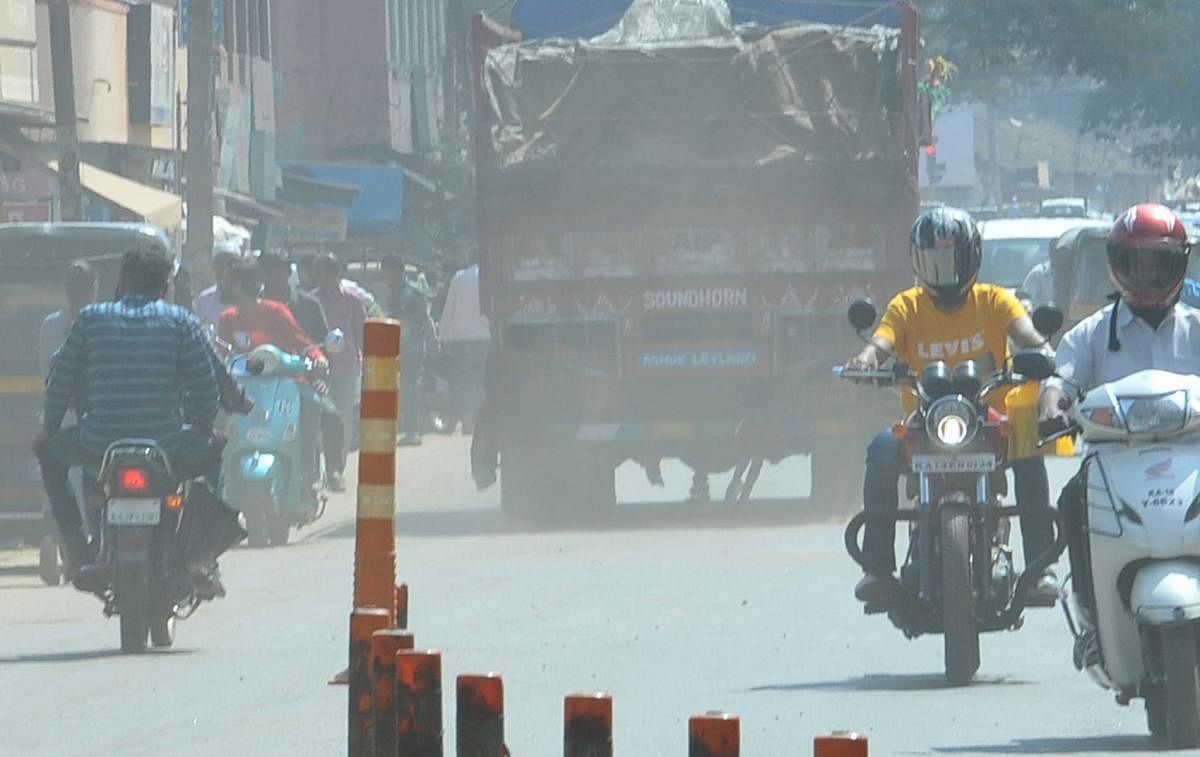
(525, 480)
(594, 484)
(539, 481)
(835, 478)
(960, 636)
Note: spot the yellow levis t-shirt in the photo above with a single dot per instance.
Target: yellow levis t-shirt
(977, 331)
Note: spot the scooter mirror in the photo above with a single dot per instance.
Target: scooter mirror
(1034, 366)
(861, 314)
(1047, 319)
(335, 342)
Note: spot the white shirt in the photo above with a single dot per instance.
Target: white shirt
(462, 320)
(359, 292)
(1039, 284)
(1083, 355)
(209, 307)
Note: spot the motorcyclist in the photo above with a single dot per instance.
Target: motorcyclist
(1145, 327)
(947, 316)
(254, 321)
(136, 367)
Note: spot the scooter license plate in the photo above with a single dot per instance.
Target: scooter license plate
(134, 512)
(983, 462)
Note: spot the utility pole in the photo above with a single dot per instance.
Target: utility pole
(198, 249)
(70, 194)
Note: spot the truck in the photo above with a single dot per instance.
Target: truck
(672, 219)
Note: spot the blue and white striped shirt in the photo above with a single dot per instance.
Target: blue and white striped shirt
(137, 366)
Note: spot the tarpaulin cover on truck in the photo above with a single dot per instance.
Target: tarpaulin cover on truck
(674, 93)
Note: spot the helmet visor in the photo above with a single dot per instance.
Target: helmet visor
(1149, 268)
(940, 266)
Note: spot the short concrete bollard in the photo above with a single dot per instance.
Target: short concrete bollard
(588, 725)
(364, 622)
(418, 709)
(480, 717)
(840, 744)
(714, 734)
(384, 646)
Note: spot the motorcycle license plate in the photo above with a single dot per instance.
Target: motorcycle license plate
(983, 462)
(134, 512)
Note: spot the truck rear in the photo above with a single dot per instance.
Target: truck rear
(670, 230)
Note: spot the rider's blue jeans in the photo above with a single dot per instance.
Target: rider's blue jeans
(885, 464)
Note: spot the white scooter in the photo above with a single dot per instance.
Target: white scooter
(1142, 473)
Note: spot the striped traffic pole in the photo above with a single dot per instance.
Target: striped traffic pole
(375, 537)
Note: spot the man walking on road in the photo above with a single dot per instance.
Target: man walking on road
(467, 339)
(409, 304)
(348, 313)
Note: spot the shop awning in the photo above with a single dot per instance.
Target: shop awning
(150, 204)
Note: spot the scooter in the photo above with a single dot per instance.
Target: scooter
(264, 467)
(1142, 484)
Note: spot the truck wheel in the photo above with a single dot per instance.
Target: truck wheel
(593, 485)
(48, 567)
(525, 480)
(836, 481)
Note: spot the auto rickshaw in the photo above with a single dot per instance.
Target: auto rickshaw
(1079, 262)
(33, 261)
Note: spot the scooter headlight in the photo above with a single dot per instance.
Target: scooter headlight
(1161, 414)
(952, 421)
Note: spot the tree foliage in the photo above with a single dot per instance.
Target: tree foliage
(1141, 54)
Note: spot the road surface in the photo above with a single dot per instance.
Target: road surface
(675, 609)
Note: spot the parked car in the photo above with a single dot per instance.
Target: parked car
(1013, 246)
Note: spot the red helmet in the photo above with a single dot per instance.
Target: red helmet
(1148, 255)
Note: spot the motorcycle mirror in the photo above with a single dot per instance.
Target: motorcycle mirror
(1034, 366)
(335, 342)
(862, 314)
(1047, 319)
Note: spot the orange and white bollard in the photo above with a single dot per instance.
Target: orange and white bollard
(588, 725)
(714, 734)
(840, 744)
(419, 703)
(375, 536)
(364, 622)
(480, 716)
(385, 644)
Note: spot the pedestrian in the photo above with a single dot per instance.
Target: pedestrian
(215, 299)
(347, 312)
(409, 304)
(82, 289)
(306, 271)
(467, 338)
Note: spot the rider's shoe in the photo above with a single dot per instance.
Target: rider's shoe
(873, 591)
(1045, 592)
(335, 482)
(90, 579)
(207, 582)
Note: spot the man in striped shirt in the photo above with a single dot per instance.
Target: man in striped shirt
(137, 367)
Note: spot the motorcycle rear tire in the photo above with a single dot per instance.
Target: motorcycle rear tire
(1182, 685)
(162, 630)
(278, 531)
(254, 499)
(960, 636)
(132, 588)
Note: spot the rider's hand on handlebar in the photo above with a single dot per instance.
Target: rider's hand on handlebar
(1053, 404)
(866, 360)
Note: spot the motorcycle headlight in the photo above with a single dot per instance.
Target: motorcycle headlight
(951, 421)
(1147, 415)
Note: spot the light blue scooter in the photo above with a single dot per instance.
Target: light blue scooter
(264, 469)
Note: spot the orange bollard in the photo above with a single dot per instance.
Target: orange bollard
(384, 646)
(714, 734)
(480, 716)
(375, 537)
(364, 622)
(840, 744)
(588, 725)
(419, 703)
(402, 606)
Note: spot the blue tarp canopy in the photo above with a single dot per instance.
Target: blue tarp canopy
(378, 208)
(540, 19)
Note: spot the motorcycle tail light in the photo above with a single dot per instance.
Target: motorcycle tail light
(133, 480)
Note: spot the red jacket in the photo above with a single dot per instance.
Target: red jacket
(266, 322)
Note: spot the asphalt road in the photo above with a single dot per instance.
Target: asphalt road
(674, 608)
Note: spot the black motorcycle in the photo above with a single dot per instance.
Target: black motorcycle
(958, 576)
(159, 532)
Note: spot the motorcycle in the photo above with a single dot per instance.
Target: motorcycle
(436, 396)
(958, 578)
(157, 530)
(265, 470)
(1142, 546)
